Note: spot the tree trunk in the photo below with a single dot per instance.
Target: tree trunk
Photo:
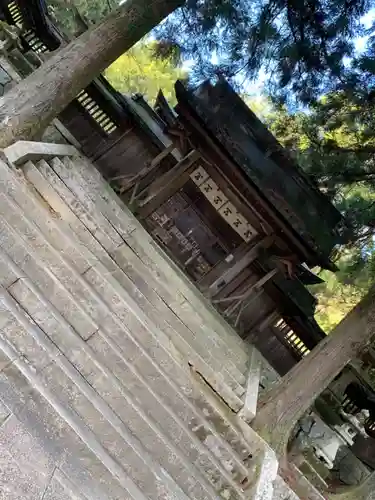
(28, 108)
(285, 404)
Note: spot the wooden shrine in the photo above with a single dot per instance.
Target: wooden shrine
(213, 187)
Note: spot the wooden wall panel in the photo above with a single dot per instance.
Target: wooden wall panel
(129, 155)
(83, 128)
(275, 352)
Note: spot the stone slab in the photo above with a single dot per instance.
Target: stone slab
(26, 261)
(97, 188)
(23, 151)
(249, 409)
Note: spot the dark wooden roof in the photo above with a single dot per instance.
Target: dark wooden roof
(277, 179)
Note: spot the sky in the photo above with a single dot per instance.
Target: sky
(256, 87)
(367, 22)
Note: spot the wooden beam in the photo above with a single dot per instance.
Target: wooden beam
(223, 265)
(241, 301)
(265, 323)
(165, 186)
(130, 180)
(258, 284)
(156, 161)
(271, 317)
(230, 274)
(268, 320)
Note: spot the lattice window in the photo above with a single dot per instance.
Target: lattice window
(29, 36)
(291, 338)
(297, 344)
(34, 42)
(96, 112)
(16, 14)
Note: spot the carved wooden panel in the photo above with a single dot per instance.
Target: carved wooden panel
(180, 228)
(199, 176)
(220, 202)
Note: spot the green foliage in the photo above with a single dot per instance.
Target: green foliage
(320, 147)
(138, 71)
(303, 45)
(335, 300)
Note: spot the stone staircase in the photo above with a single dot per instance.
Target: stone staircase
(117, 378)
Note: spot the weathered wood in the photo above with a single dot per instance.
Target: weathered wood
(231, 273)
(236, 197)
(126, 158)
(110, 145)
(292, 348)
(253, 287)
(133, 180)
(238, 283)
(156, 161)
(242, 301)
(30, 106)
(166, 185)
(234, 178)
(221, 267)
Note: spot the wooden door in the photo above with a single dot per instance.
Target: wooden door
(182, 231)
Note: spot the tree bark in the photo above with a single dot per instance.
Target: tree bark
(29, 107)
(285, 404)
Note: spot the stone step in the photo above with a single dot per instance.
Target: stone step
(17, 246)
(133, 399)
(166, 314)
(82, 393)
(125, 224)
(125, 219)
(132, 273)
(29, 469)
(64, 202)
(33, 375)
(59, 298)
(89, 415)
(128, 261)
(281, 491)
(12, 246)
(68, 172)
(50, 283)
(120, 302)
(58, 235)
